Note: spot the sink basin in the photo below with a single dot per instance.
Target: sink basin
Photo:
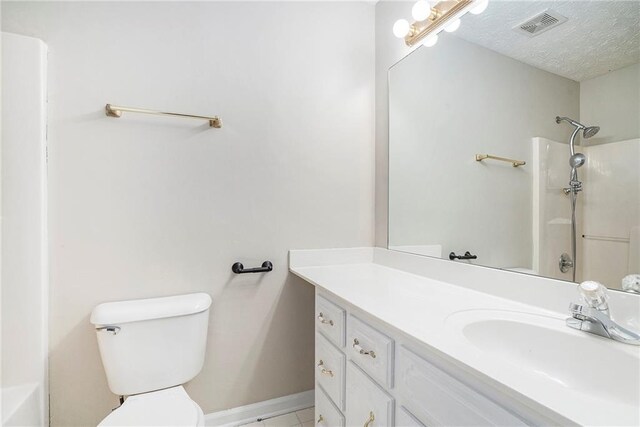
(545, 347)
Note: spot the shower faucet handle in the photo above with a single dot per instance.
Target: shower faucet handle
(574, 187)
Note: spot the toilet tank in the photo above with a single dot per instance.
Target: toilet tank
(151, 344)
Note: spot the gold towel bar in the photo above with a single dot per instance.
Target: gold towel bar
(514, 163)
(116, 111)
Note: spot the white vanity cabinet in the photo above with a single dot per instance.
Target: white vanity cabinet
(404, 418)
(327, 415)
(437, 398)
(330, 320)
(330, 370)
(368, 403)
(371, 350)
(368, 374)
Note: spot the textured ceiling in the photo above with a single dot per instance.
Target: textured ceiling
(598, 37)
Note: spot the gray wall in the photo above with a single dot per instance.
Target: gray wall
(612, 101)
(144, 206)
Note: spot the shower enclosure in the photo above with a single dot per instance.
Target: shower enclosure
(607, 211)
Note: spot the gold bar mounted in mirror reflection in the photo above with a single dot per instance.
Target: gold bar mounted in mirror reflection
(116, 111)
(514, 163)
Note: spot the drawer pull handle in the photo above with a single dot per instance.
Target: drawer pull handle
(371, 419)
(320, 419)
(323, 320)
(356, 346)
(323, 370)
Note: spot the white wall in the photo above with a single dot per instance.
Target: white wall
(389, 50)
(612, 101)
(447, 104)
(144, 206)
(24, 238)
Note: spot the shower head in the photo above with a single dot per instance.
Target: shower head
(587, 132)
(577, 160)
(590, 131)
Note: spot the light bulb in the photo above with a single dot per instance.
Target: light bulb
(454, 25)
(401, 28)
(430, 41)
(481, 5)
(421, 10)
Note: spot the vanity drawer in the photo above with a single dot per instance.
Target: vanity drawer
(404, 418)
(327, 415)
(371, 350)
(366, 400)
(437, 398)
(330, 366)
(330, 320)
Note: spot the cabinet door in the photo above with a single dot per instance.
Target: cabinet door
(330, 366)
(327, 415)
(330, 320)
(367, 404)
(371, 350)
(437, 398)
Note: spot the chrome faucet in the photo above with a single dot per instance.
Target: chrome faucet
(595, 318)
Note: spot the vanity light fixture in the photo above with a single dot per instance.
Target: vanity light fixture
(432, 17)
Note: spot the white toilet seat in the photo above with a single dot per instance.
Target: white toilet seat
(168, 407)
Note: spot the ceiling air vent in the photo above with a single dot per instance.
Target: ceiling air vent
(540, 23)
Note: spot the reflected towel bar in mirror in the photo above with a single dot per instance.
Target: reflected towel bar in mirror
(514, 163)
(467, 255)
(116, 111)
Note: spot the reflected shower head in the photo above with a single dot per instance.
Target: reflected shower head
(587, 132)
(590, 131)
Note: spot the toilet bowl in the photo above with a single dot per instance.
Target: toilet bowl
(169, 407)
(149, 348)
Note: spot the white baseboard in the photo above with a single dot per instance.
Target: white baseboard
(268, 408)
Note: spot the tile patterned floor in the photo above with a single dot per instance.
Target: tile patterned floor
(302, 418)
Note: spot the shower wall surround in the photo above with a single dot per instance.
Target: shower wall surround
(146, 206)
(611, 212)
(24, 290)
(551, 211)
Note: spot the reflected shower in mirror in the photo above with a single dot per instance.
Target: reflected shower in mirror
(518, 142)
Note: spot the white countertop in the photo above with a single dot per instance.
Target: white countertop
(422, 308)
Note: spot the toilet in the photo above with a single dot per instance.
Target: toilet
(149, 348)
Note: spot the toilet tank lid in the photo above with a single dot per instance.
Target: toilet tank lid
(113, 313)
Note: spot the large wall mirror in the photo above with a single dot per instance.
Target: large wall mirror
(480, 160)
